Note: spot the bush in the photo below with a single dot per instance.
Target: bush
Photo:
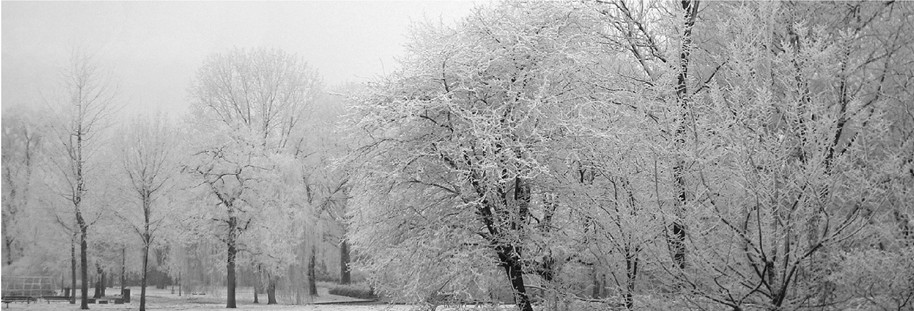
(354, 291)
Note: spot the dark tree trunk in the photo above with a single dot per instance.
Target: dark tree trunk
(100, 287)
(73, 271)
(258, 283)
(345, 277)
(271, 291)
(631, 273)
(123, 269)
(597, 285)
(509, 259)
(9, 246)
(230, 265)
(509, 255)
(84, 263)
(98, 283)
(145, 277)
(256, 290)
(312, 278)
(162, 280)
(677, 240)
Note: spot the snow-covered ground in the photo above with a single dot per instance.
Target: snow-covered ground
(163, 299)
(178, 305)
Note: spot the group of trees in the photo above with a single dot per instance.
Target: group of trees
(733, 155)
(667, 155)
(236, 179)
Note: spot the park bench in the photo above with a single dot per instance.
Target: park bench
(116, 299)
(8, 299)
(26, 289)
(55, 298)
(107, 300)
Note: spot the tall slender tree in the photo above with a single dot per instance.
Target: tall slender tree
(147, 158)
(84, 109)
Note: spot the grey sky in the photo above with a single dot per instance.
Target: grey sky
(154, 48)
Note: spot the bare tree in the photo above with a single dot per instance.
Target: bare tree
(84, 108)
(147, 155)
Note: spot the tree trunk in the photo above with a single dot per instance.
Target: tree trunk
(597, 284)
(312, 279)
(258, 283)
(102, 282)
(256, 290)
(345, 276)
(144, 278)
(508, 255)
(677, 241)
(73, 271)
(9, 246)
(98, 282)
(271, 291)
(84, 263)
(230, 266)
(123, 269)
(162, 279)
(95, 286)
(631, 273)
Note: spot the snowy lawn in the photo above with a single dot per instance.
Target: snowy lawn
(179, 305)
(163, 299)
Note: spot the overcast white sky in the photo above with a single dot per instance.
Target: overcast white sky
(154, 48)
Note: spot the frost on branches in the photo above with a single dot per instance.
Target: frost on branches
(248, 105)
(456, 151)
(690, 153)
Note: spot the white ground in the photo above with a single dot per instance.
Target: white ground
(191, 306)
(163, 299)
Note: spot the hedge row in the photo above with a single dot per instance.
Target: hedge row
(354, 291)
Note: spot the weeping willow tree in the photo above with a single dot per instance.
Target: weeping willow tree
(273, 262)
(247, 111)
(283, 240)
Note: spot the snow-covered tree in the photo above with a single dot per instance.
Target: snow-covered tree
(455, 145)
(22, 150)
(247, 105)
(83, 108)
(148, 159)
(790, 164)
